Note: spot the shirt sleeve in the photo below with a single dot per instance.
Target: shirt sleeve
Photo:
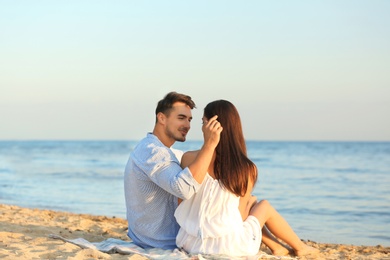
(163, 168)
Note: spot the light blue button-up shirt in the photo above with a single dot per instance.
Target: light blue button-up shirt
(153, 181)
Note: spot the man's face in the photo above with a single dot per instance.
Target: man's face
(178, 122)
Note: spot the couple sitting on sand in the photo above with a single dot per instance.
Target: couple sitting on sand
(200, 201)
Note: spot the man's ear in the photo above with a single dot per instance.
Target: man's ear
(161, 118)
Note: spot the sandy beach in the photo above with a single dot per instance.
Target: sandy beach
(24, 234)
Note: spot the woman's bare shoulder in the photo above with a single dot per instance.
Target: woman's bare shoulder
(188, 158)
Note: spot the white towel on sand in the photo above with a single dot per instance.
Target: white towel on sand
(112, 246)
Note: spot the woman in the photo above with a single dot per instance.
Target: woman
(223, 217)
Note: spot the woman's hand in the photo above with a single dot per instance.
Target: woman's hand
(211, 131)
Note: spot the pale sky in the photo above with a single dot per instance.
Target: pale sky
(296, 70)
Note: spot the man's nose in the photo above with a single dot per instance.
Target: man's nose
(188, 124)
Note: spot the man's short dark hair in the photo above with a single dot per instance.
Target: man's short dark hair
(165, 105)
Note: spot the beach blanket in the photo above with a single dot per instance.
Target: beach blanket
(112, 246)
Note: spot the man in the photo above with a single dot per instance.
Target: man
(154, 179)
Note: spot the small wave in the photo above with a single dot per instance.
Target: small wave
(5, 171)
(381, 237)
(353, 170)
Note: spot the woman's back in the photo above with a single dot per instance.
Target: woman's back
(211, 223)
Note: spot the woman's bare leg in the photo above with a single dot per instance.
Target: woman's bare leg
(266, 214)
(273, 244)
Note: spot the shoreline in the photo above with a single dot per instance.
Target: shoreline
(24, 234)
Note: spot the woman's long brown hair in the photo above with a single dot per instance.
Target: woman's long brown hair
(232, 167)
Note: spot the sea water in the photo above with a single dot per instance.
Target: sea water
(329, 192)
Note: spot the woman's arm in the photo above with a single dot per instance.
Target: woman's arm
(187, 159)
(247, 202)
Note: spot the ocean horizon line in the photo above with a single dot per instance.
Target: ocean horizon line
(200, 140)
